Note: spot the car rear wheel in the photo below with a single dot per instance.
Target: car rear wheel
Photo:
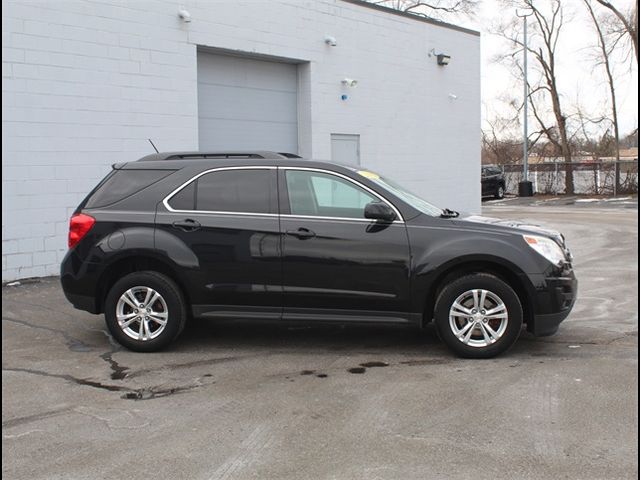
(478, 316)
(145, 311)
(500, 192)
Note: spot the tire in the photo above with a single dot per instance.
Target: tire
(465, 332)
(500, 192)
(169, 307)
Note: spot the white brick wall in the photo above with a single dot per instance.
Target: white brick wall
(86, 82)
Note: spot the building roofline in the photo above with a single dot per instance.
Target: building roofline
(393, 11)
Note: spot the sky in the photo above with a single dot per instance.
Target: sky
(580, 82)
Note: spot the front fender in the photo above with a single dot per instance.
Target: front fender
(435, 252)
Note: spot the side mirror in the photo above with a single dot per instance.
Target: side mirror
(379, 211)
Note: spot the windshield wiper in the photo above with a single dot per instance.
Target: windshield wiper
(446, 213)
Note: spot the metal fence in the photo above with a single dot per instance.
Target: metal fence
(590, 178)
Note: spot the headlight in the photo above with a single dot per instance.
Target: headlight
(546, 247)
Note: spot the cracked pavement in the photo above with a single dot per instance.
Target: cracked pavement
(242, 401)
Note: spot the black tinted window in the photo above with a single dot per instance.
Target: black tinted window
(185, 199)
(235, 191)
(121, 184)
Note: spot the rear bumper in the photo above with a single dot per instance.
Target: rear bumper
(82, 302)
(555, 299)
(78, 281)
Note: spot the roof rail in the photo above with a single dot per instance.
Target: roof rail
(220, 154)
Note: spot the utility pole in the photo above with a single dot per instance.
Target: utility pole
(525, 187)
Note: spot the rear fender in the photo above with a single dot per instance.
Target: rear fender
(147, 241)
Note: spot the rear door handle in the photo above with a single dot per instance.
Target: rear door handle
(187, 225)
(301, 233)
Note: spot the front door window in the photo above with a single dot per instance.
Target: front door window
(323, 195)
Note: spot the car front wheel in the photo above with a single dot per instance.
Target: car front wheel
(500, 192)
(145, 311)
(478, 316)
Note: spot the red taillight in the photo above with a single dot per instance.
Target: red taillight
(79, 225)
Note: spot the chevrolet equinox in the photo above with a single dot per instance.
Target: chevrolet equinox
(269, 236)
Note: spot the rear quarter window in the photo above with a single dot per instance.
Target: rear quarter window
(120, 184)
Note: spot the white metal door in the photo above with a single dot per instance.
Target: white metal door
(247, 104)
(345, 149)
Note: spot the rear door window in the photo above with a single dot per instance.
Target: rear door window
(185, 199)
(234, 191)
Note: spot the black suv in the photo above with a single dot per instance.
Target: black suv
(493, 182)
(263, 236)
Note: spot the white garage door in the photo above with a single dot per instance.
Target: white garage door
(247, 104)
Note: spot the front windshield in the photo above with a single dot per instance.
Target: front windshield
(402, 193)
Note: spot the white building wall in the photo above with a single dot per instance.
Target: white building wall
(85, 83)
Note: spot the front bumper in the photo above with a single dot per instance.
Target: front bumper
(554, 299)
(544, 325)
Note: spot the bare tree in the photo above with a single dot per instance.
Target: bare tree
(500, 141)
(630, 140)
(498, 149)
(547, 27)
(605, 61)
(433, 8)
(628, 24)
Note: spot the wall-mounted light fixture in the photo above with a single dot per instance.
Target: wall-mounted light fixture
(184, 15)
(331, 41)
(443, 58)
(350, 82)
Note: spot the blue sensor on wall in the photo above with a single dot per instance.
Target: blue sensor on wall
(344, 97)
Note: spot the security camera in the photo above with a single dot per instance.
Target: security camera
(331, 41)
(453, 96)
(350, 82)
(184, 15)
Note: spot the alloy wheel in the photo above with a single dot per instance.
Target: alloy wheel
(478, 318)
(142, 313)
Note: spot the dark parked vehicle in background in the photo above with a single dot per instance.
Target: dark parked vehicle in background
(262, 236)
(493, 182)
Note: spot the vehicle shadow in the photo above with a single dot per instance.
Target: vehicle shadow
(204, 335)
(234, 335)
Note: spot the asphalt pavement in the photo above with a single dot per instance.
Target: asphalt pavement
(271, 402)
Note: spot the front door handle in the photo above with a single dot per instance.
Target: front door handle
(187, 225)
(301, 233)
